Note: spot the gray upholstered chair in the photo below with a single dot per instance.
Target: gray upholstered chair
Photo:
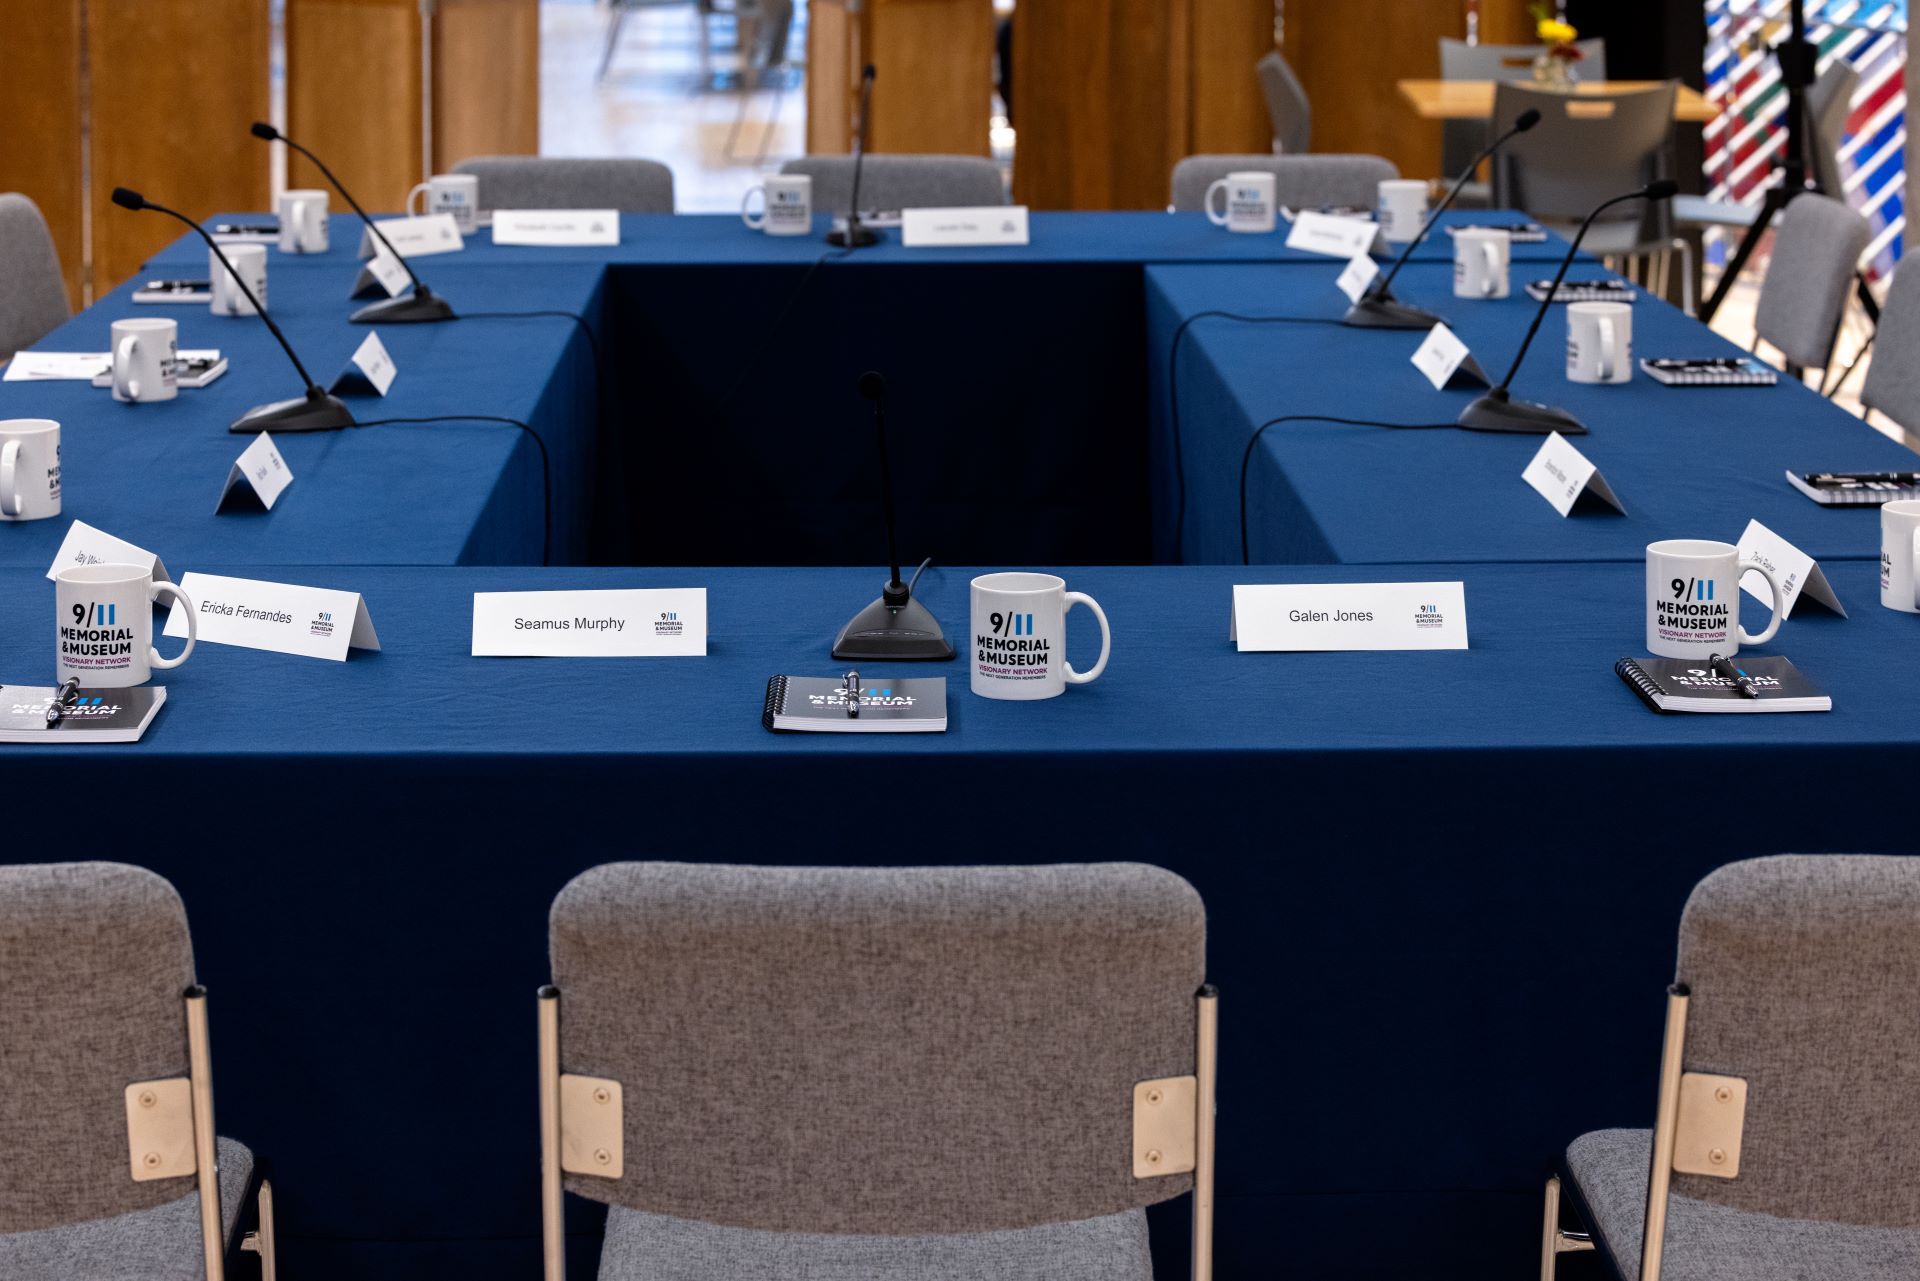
(106, 1097)
(889, 182)
(831, 1073)
(33, 298)
(1786, 1139)
(1816, 249)
(569, 182)
(1287, 105)
(1461, 140)
(1300, 182)
(1893, 379)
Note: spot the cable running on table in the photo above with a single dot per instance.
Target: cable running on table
(1246, 458)
(546, 464)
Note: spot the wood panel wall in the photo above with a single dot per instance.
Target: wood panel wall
(933, 87)
(40, 101)
(486, 80)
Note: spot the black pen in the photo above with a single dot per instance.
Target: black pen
(63, 698)
(1724, 667)
(853, 694)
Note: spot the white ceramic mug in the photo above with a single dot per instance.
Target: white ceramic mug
(451, 193)
(789, 205)
(1482, 258)
(250, 264)
(1899, 553)
(1599, 342)
(1020, 636)
(1693, 599)
(144, 351)
(1401, 209)
(303, 221)
(1249, 204)
(29, 468)
(103, 624)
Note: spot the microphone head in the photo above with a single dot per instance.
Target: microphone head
(1665, 189)
(127, 198)
(1523, 122)
(264, 131)
(872, 385)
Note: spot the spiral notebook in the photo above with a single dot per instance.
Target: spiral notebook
(870, 705)
(90, 716)
(1715, 371)
(1856, 488)
(1684, 685)
(1595, 290)
(1519, 233)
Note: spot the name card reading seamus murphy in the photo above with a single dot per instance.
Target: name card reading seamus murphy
(633, 623)
(1348, 616)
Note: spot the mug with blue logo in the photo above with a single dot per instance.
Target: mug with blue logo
(1019, 636)
(1693, 599)
(103, 624)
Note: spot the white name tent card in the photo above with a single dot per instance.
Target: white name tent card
(1359, 274)
(415, 237)
(257, 478)
(1330, 234)
(388, 272)
(1445, 361)
(556, 226)
(1271, 617)
(369, 373)
(85, 545)
(312, 622)
(1560, 474)
(633, 623)
(1799, 574)
(987, 225)
(43, 366)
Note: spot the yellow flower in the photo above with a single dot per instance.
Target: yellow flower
(1553, 31)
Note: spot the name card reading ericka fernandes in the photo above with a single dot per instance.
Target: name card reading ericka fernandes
(313, 622)
(556, 226)
(1270, 617)
(1560, 474)
(630, 623)
(987, 225)
(85, 545)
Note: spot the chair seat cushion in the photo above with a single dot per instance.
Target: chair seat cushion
(652, 1247)
(1709, 1242)
(161, 1244)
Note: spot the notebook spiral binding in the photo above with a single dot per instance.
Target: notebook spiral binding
(776, 699)
(1634, 675)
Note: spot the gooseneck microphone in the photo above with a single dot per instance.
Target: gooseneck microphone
(895, 627)
(419, 307)
(857, 236)
(1497, 410)
(316, 411)
(1377, 308)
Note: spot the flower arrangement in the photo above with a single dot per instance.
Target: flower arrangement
(1554, 66)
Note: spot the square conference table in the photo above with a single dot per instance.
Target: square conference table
(1442, 887)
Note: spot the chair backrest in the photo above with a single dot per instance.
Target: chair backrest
(902, 182)
(1829, 103)
(1300, 182)
(1461, 140)
(1586, 149)
(1804, 979)
(33, 297)
(568, 182)
(94, 963)
(1816, 247)
(1287, 105)
(1893, 378)
(891, 1051)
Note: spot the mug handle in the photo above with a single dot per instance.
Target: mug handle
(1106, 638)
(1609, 355)
(122, 363)
(747, 200)
(1747, 638)
(11, 504)
(419, 189)
(1218, 184)
(193, 628)
(1493, 266)
(6, 484)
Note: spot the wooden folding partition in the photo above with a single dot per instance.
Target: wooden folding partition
(933, 59)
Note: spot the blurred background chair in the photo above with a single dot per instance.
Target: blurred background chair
(1829, 100)
(1810, 277)
(1461, 140)
(889, 182)
(1300, 182)
(1287, 105)
(33, 298)
(936, 1073)
(1893, 379)
(555, 182)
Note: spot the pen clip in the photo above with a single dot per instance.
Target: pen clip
(64, 696)
(853, 695)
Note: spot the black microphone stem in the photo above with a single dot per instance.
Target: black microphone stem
(886, 498)
(1540, 313)
(1458, 183)
(372, 226)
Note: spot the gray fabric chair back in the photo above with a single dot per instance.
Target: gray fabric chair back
(1300, 182)
(1287, 105)
(94, 963)
(567, 182)
(889, 1051)
(1893, 378)
(1586, 149)
(1816, 247)
(1805, 980)
(1461, 140)
(1829, 102)
(33, 298)
(902, 182)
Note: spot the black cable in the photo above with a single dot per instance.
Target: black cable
(916, 574)
(575, 317)
(1173, 396)
(546, 464)
(1246, 458)
(773, 330)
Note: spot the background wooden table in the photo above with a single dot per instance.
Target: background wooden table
(1473, 99)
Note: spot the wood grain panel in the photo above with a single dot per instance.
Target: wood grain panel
(353, 95)
(933, 90)
(1350, 54)
(170, 109)
(1229, 114)
(486, 80)
(40, 103)
(833, 62)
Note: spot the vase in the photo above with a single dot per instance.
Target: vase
(1553, 73)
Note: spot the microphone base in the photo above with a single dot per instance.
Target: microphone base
(316, 411)
(886, 633)
(1496, 411)
(1388, 313)
(414, 308)
(855, 236)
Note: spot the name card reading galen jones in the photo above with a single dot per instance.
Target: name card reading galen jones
(636, 623)
(1344, 616)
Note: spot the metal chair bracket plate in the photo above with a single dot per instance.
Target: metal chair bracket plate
(160, 1129)
(1712, 1117)
(592, 1126)
(1165, 1117)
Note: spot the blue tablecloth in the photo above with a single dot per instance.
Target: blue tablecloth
(1692, 462)
(1442, 887)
